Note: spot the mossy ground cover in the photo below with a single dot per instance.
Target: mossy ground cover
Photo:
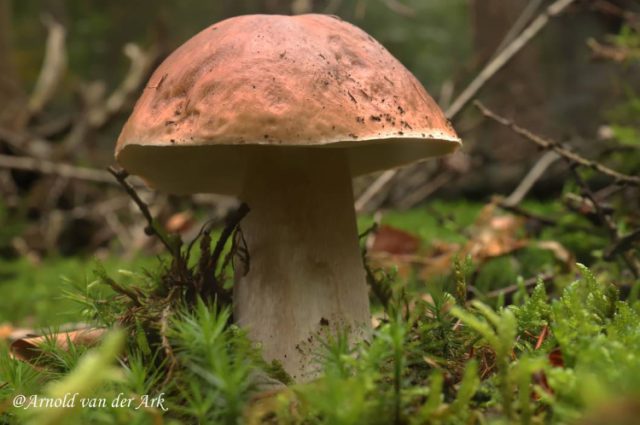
(448, 347)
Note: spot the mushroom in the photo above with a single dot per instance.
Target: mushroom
(283, 111)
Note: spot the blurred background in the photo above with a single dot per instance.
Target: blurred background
(70, 71)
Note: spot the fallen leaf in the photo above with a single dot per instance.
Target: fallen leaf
(29, 348)
(395, 241)
(179, 222)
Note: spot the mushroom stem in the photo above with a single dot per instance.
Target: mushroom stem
(305, 277)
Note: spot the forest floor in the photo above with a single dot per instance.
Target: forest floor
(480, 316)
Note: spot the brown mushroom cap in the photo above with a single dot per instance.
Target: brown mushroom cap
(277, 82)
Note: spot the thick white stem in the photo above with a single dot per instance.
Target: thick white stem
(305, 279)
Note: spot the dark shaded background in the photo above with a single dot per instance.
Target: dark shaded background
(554, 86)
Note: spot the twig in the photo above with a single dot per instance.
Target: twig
(567, 154)
(617, 54)
(119, 288)
(507, 53)
(516, 209)
(483, 77)
(430, 187)
(60, 169)
(26, 143)
(373, 189)
(605, 219)
(518, 25)
(141, 62)
(530, 179)
(153, 227)
(545, 278)
(232, 222)
(623, 244)
(53, 67)
(608, 8)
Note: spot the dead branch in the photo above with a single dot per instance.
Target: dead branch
(529, 283)
(608, 52)
(482, 78)
(26, 143)
(141, 63)
(518, 25)
(608, 8)
(505, 56)
(440, 180)
(518, 210)
(59, 169)
(53, 67)
(531, 178)
(565, 153)
(605, 220)
(233, 220)
(132, 295)
(153, 227)
(623, 244)
(373, 189)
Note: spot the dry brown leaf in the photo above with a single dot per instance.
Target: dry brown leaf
(179, 222)
(5, 331)
(494, 235)
(29, 348)
(395, 241)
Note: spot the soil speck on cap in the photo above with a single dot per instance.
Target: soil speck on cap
(375, 118)
(353, 99)
(360, 120)
(324, 322)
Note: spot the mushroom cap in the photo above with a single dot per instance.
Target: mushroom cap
(277, 82)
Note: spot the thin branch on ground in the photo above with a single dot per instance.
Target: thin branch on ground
(120, 289)
(518, 210)
(519, 24)
(53, 66)
(56, 168)
(507, 54)
(440, 180)
(567, 154)
(141, 63)
(623, 244)
(606, 220)
(25, 143)
(529, 283)
(575, 160)
(530, 179)
(499, 61)
(373, 189)
(153, 227)
(233, 221)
